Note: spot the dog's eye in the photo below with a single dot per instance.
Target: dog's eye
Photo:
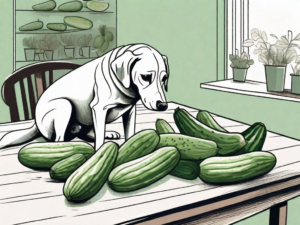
(147, 77)
(164, 79)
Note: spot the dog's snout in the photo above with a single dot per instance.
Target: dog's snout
(161, 106)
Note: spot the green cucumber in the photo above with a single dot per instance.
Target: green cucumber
(44, 155)
(72, 6)
(45, 6)
(78, 22)
(36, 25)
(64, 168)
(255, 136)
(97, 6)
(141, 172)
(233, 169)
(190, 148)
(229, 143)
(163, 127)
(88, 179)
(57, 26)
(205, 118)
(140, 144)
(186, 169)
(104, 47)
(108, 36)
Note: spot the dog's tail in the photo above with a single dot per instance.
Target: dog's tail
(19, 137)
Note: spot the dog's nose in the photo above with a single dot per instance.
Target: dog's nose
(161, 106)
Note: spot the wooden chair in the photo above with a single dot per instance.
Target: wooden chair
(39, 71)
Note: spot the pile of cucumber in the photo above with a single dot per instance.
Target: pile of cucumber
(201, 149)
(72, 21)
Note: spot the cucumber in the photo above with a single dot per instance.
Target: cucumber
(89, 178)
(233, 169)
(205, 118)
(99, 41)
(45, 155)
(57, 26)
(78, 22)
(255, 136)
(140, 144)
(144, 171)
(37, 25)
(186, 169)
(45, 6)
(72, 6)
(190, 148)
(163, 127)
(97, 6)
(64, 168)
(228, 143)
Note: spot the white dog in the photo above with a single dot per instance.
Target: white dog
(97, 93)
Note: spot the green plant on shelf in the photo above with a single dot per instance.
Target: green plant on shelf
(296, 68)
(31, 42)
(69, 45)
(48, 44)
(102, 41)
(84, 41)
(242, 61)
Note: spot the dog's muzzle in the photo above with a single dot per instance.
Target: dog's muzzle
(161, 106)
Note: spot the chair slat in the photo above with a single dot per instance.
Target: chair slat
(39, 83)
(24, 100)
(31, 97)
(50, 77)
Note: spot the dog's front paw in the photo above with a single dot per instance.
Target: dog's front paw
(112, 135)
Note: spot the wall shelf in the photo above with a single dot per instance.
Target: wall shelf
(47, 31)
(56, 11)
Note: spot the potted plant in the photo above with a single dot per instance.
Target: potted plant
(296, 77)
(69, 45)
(102, 41)
(30, 45)
(84, 43)
(240, 65)
(48, 44)
(275, 57)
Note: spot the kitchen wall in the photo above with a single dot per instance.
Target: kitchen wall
(6, 51)
(185, 31)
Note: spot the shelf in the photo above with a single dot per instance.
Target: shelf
(251, 88)
(47, 31)
(36, 61)
(56, 11)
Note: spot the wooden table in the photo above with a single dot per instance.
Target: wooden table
(29, 196)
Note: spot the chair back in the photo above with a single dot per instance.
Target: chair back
(38, 73)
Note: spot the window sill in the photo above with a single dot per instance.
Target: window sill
(252, 88)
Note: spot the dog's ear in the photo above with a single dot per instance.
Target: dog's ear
(168, 71)
(122, 67)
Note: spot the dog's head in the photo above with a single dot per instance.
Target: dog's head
(148, 71)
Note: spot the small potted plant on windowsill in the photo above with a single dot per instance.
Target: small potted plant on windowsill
(296, 77)
(275, 57)
(84, 43)
(69, 45)
(31, 45)
(48, 44)
(240, 65)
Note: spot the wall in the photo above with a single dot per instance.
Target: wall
(186, 33)
(6, 51)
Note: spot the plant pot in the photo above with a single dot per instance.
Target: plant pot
(69, 51)
(85, 52)
(29, 54)
(48, 55)
(295, 84)
(239, 74)
(275, 78)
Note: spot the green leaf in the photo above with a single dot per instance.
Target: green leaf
(44, 45)
(232, 57)
(280, 56)
(250, 62)
(274, 36)
(285, 40)
(255, 34)
(248, 43)
(263, 59)
(297, 38)
(264, 36)
(290, 55)
(54, 45)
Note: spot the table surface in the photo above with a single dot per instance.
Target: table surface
(30, 196)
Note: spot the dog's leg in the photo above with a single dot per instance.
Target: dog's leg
(56, 122)
(129, 122)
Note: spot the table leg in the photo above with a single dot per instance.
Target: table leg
(278, 214)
